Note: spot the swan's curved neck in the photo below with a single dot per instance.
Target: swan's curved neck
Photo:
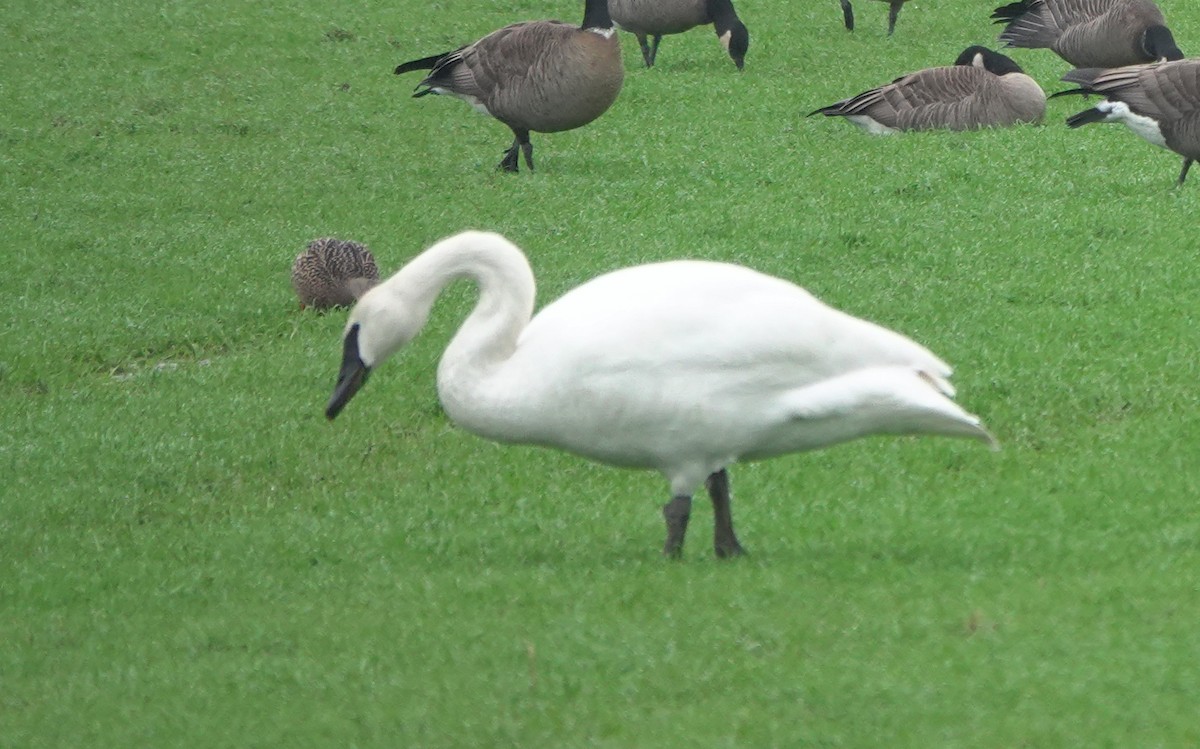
(488, 337)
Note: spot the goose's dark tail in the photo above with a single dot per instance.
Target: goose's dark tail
(1087, 117)
(425, 63)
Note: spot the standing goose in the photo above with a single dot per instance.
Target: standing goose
(981, 89)
(657, 18)
(1090, 33)
(333, 273)
(540, 76)
(893, 14)
(682, 367)
(1160, 102)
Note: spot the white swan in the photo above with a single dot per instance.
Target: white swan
(683, 367)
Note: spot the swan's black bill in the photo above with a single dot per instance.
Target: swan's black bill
(352, 376)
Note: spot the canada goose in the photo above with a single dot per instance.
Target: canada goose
(682, 367)
(541, 76)
(333, 273)
(893, 13)
(1160, 102)
(1090, 33)
(657, 18)
(981, 89)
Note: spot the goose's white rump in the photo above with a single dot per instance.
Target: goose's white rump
(684, 367)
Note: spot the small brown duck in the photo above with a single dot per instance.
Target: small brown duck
(333, 273)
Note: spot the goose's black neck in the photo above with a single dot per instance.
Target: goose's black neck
(722, 13)
(595, 15)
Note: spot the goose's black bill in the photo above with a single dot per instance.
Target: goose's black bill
(351, 378)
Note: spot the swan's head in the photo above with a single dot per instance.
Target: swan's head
(380, 325)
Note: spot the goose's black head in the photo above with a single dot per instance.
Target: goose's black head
(737, 42)
(990, 60)
(734, 36)
(1159, 44)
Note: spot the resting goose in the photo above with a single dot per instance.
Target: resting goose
(536, 76)
(657, 18)
(333, 273)
(893, 14)
(982, 89)
(1090, 33)
(681, 367)
(1160, 102)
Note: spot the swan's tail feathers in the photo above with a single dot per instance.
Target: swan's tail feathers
(425, 63)
(890, 400)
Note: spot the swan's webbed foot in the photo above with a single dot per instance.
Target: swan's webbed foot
(676, 513)
(725, 542)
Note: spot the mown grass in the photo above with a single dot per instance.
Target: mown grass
(192, 556)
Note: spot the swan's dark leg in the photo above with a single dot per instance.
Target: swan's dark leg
(520, 143)
(647, 55)
(725, 541)
(1187, 164)
(848, 13)
(893, 13)
(676, 513)
(654, 49)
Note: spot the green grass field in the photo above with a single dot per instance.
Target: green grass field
(191, 556)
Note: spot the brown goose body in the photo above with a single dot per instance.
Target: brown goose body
(1090, 33)
(651, 20)
(1159, 101)
(893, 14)
(535, 76)
(333, 273)
(982, 89)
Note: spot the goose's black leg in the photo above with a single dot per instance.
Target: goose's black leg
(510, 161)
(654, 49)
(1187, 164)
(676, 513)
(848, 13)
(527, 149)
(520, 143)
(647, 55)
(725, 541)
(893, 13)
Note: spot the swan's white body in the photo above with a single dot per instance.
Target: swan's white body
(683, 367)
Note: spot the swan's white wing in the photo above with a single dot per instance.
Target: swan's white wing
(691, 361)
(691, 316)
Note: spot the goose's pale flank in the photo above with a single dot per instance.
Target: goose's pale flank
(333, 272)
(982, 89)
(1090, 33)
(893, 14)
(681, 367)
(1160, 102)
(536, 76)
(651, 20)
